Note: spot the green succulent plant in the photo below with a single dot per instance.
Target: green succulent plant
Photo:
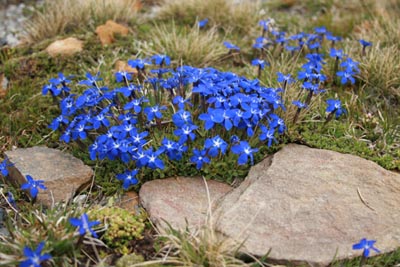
(121, 227)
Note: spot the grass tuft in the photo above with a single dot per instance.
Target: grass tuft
(187, 45)
(57, 17)
(237, 16)
(199, 246)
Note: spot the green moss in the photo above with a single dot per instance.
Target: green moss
(334, 138)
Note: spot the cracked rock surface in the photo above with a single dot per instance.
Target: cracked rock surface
(308, 205)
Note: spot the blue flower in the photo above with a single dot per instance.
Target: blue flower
(332, 38)
(211, 117)
(335, 106)
(161, 60)
(185, 132)
(68, 106)
(84, 225)
(153, 161)
(121, 76)
(11, 199)
(231, 46)
(3, 167)
(180, 101)
(228, 114)
(291, 48)
(244, 151)
(60, 80)
(259, 62)
(214, 145)
(284, 78)
(265, 23)
(181, 118)
(128, 178)
(54, 90)
(140, 156)
(314, 45)
(154, 112)
(299, 104)
(346, 76)
(314, 87)
(261, 42)
(91, 80)
(34, 258)
(138, 63)
(281, 39)
(277, 122)
(129, 90)
(320, 30)
(366, 245)
(336, 53)
(79, 131)
(55, 124)
(365, 43)
(172, 149)
(234, 139)
(202, 23)
(350, 65)
(66, 136)
(199, 158)
(33, 186)
(136, 104)
(240, 116)
(269, 134)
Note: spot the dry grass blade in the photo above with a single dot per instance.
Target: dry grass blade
(235, 15)
(201, 246)
(60, 16)
(380, 67)
(188, 45)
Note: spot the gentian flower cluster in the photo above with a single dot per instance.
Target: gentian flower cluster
(156, 115)
(312, 75)
(271, 37)
(120, 122)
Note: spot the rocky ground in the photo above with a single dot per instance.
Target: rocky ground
(284, 201)
(13, 15)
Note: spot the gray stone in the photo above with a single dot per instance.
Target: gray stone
(176, 200)
(310, 205)
(12, 40)
(62, 173)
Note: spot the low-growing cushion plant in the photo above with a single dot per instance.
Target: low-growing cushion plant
(199, 116)
(121, 226)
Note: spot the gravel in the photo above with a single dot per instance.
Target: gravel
(13, 15)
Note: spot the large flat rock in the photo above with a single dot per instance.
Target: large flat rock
(310, 205)
(176, 200)
(62, 173)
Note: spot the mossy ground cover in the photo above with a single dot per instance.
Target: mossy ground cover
(370, 129)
